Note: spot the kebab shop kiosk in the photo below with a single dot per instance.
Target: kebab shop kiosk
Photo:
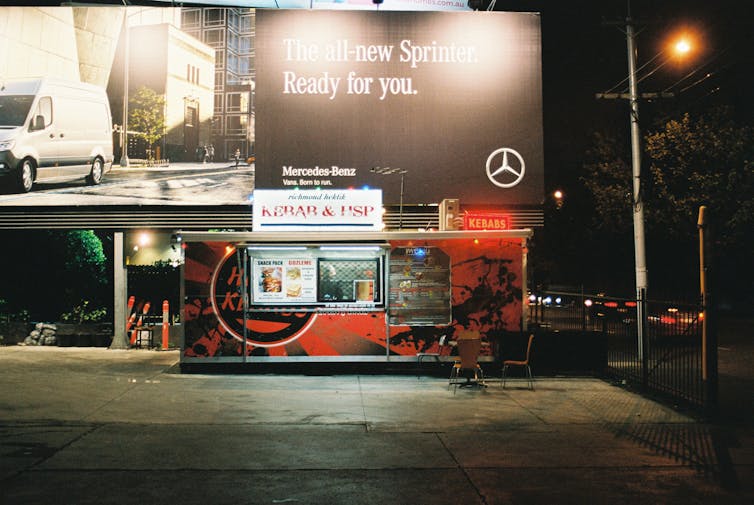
(307, 286)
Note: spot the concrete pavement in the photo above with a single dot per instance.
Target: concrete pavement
(102, 426)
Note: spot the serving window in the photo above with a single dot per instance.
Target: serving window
(349, 280)
(316, 277)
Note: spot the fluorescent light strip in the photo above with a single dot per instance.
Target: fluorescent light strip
(274, 248)
(349, 248)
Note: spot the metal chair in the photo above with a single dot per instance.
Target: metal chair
(144, 334)
(521, 363)
(434, 354)
(468, 352)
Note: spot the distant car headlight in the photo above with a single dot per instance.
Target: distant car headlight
(7, 145)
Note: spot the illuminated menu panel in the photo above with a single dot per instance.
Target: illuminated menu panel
(284, 280)
(419, 286)
(326, 278)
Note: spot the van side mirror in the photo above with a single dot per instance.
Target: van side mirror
(38, 123)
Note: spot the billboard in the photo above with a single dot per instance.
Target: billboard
(451, 101)
(274, 99)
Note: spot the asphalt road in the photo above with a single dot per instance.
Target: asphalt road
(219, 183)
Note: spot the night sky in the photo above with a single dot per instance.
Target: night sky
(584, 53)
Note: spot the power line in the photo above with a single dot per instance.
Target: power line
(713, 21)
(625, 80)
(700, 68)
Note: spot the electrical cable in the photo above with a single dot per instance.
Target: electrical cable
(700, 68)
(611, 90)
(710, 26)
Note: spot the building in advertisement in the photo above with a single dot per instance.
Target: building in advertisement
(230, 32)
(89, 47)
(175, 66)
(83, 46)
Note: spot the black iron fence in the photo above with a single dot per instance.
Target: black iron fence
(671, 356)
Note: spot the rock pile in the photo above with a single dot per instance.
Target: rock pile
(42, 334)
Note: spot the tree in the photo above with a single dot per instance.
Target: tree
(607, 178)
(708, 160)
(146, 115)
(53, 272)
(689, 161)
(703, 161)
(83, 268)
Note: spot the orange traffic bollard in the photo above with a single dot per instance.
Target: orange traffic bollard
(130, 320)
(165, 324)
(130, 323)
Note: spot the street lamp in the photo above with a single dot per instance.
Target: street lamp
(638, 197)
(250, 125)
(124, 125)
(680, 48)
(558, 196)
(391, 171)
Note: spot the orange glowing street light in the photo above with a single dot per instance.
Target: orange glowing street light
(682, 46)
(558, 196)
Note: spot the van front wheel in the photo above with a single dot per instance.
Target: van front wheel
(95, 176)
(25, 176)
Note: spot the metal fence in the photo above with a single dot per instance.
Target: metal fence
(673, 358)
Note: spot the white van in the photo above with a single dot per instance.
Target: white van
(54, 130)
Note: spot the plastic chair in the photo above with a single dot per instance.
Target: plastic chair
(521, 363)
(469, 345)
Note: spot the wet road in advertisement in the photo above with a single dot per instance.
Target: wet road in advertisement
(219, 183)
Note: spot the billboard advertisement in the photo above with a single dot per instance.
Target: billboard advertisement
(131, 106)
(205, 104)
(452, 100)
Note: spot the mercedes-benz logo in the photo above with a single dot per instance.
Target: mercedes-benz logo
(499, 176)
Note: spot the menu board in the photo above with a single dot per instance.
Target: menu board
(419, 286)
(288, 280)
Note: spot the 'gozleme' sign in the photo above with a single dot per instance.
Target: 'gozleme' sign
(311, 210)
